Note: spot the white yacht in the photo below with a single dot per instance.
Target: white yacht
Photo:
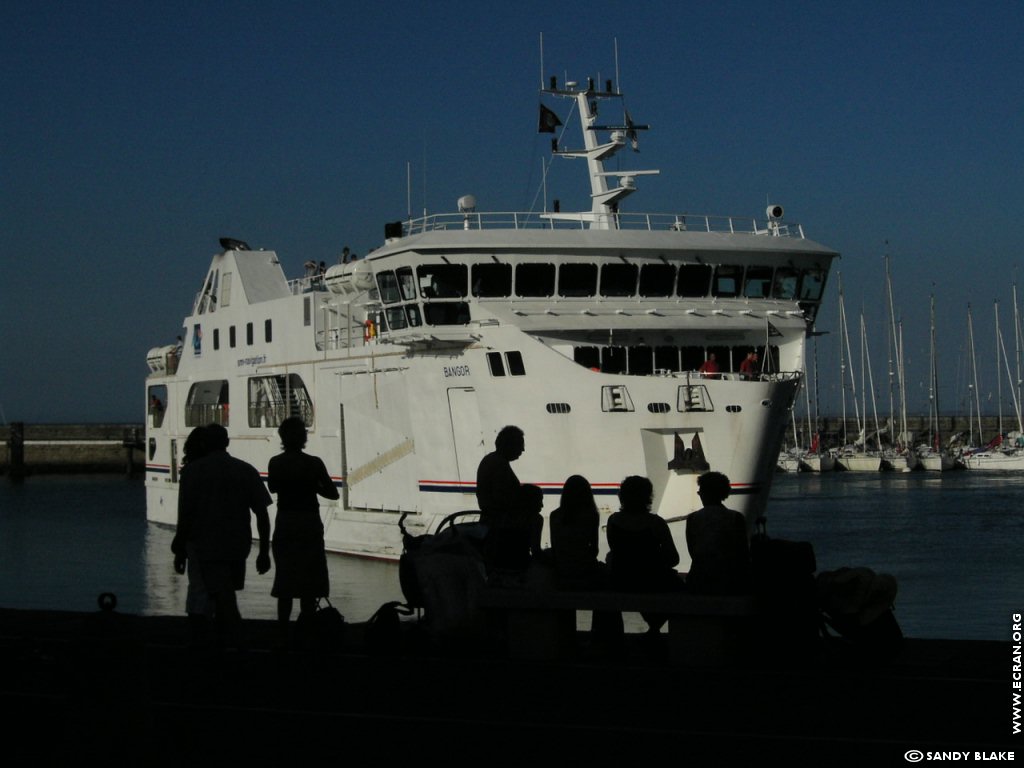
(586, 329)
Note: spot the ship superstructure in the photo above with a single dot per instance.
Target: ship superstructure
(587, 329)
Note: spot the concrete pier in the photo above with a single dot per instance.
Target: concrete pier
(47, 448)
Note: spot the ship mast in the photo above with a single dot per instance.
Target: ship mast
(605, 198)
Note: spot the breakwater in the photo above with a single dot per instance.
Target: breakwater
(45, 448)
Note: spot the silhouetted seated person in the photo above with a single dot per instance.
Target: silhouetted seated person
(574, 537)
(642, 556)
(496, 483)
(717, 539)
(514, 540)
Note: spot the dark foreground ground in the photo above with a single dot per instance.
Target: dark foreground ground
(129, 689)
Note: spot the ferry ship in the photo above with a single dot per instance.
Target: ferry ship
(590, 330)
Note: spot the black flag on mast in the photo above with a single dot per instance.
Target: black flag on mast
(548, 120)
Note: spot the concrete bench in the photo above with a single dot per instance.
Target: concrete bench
(703, 630)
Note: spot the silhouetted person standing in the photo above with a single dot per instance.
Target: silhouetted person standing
(496, 484)
(717, 539)
(217, 495)
(641, 554)
(301, 564)
(574, 535)
(198, 604)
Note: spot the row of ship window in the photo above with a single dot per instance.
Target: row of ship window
(268, 335)
(271, 400)
(610, 280)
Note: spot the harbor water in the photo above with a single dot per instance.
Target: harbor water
(952, 541)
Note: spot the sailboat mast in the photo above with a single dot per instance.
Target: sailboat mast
(974, 378)
(934, 383)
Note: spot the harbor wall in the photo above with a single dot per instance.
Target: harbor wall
(52, 448)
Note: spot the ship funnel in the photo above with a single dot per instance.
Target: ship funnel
(774, 212)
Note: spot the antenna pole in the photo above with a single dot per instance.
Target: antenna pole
(618, 82)
(542, 60)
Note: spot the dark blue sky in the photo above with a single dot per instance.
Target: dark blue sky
(136, 134)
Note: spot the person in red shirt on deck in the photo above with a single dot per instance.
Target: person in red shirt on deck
(709, 367)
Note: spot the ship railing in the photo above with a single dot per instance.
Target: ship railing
(732, 375)
(651, 222)
(306, 284)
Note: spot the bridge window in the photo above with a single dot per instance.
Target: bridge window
(494, 363)
(657, 279)
(492, 281)
(758, 282)
(406, 283)
(442, 281)
(577, 279)
(387, 286)
(535, 280)
(412, 313)
(446, 313)
(694, 280)
(728, 278)
(396, 318)
(207, 403)
(812, 284)
(618, 279)
(786, 281)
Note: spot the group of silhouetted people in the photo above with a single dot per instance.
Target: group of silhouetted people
(218, 493)
(642, 555)
(214, 536)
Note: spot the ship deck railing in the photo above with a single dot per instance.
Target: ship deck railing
(651, 222)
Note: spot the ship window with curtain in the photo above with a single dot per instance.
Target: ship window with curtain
(207, 403)
(272, 399)
(657, 279)
(535, 280)
(618, 279)
(576, 280)
(492, 281)
(694, 280)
